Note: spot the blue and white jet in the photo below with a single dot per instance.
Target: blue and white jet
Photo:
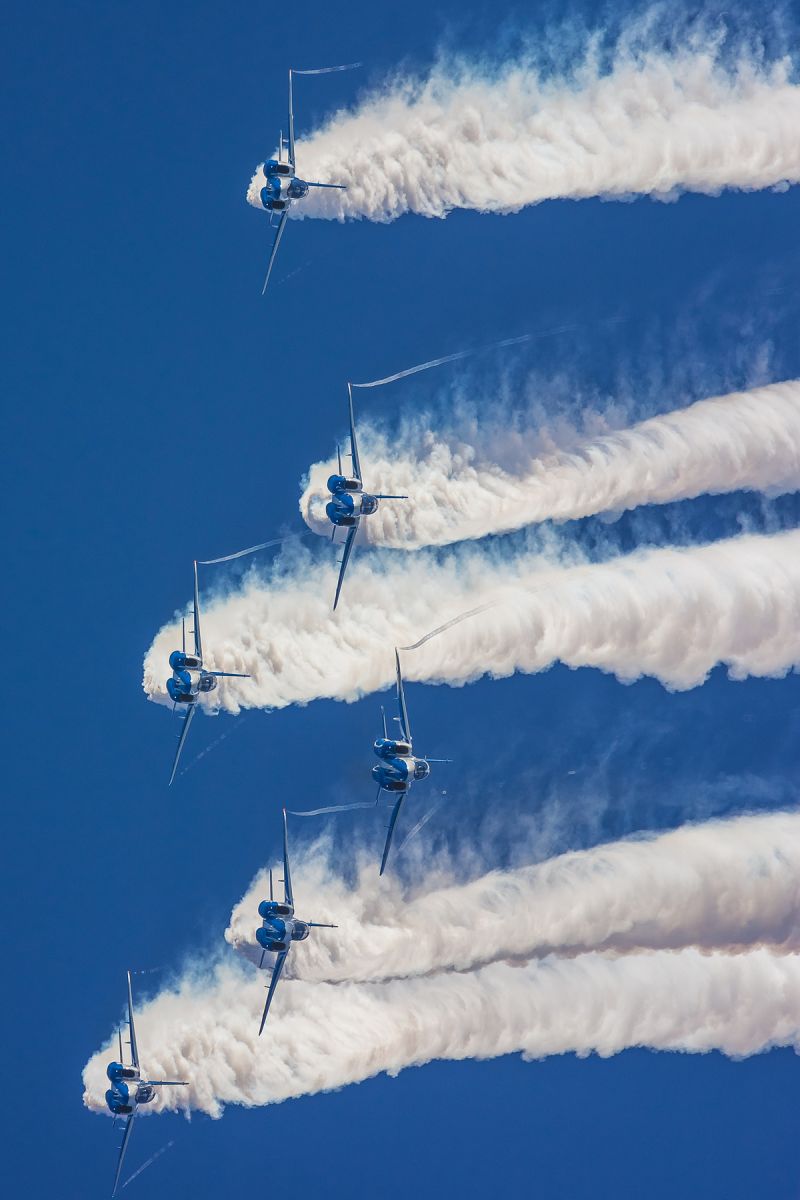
(398, 768)
(189, 677)
(280, 927)
(128, 1090)
(282, 185)
(349, 502)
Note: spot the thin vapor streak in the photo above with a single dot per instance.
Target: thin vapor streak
(672, 614)
(463, 486)
(655, 124)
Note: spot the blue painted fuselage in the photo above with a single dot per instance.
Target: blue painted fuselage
(281, 186)
(188, 678)
(348, 501)
(279, 926)
(127, 1090)
(398, 768)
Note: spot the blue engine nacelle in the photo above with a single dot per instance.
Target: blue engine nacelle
(341, 483)
(118, 1103)
(179, 689)
(179, 660)
(299, 931)
(273, 167)
(386, 748)
(390, 777)
(269, 909)
(116, 1071)
(268, 941)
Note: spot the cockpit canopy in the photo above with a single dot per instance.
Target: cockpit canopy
(299, 931)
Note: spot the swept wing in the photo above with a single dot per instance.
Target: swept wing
(187, 720)
(353, 442)
(273, 983)
(287, 878)
(131, 1027)
(390, 832)
(275, 244)
(348, 550)
(126, 1137)
(405, 724)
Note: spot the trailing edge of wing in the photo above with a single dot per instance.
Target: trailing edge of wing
(273, 983)
(348, 549)
(275, 245)
(287, 877)
(187, 720)
(353, 442)
(131, 1026)
(401, 700)
(390, 833)
(126, 1137)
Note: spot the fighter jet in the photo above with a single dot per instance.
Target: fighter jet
(282, 185)
(280, 927)
(349, 502)
(128, 1090)
(398, 767)
(189, 677)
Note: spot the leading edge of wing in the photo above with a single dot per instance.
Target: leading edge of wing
(187, 720)
(273, 983)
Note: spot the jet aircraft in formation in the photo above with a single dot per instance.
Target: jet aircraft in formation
(398, 768)
(279, 926)
(282, 185)
(128, 1090)
(349, 502)
(190, 678)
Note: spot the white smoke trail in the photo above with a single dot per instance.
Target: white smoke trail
(322, 1036)
(458, 489)
(656, 123)
(406, 979)
(721, 885)
(669, 613)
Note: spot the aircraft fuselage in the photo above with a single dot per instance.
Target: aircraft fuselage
(348, 501)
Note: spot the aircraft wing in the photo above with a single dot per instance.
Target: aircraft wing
(390, 832)
(131, 1026)
(348, 550)
(273, 983)
(401, 700)
(187, 720)
(198, 645)
(287, 877)
(353, 442)
(275, 244)
(126, 1137)
(291, 123)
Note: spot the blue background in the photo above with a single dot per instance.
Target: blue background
(159, 409)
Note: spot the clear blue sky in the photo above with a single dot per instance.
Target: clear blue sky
(159, 409)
